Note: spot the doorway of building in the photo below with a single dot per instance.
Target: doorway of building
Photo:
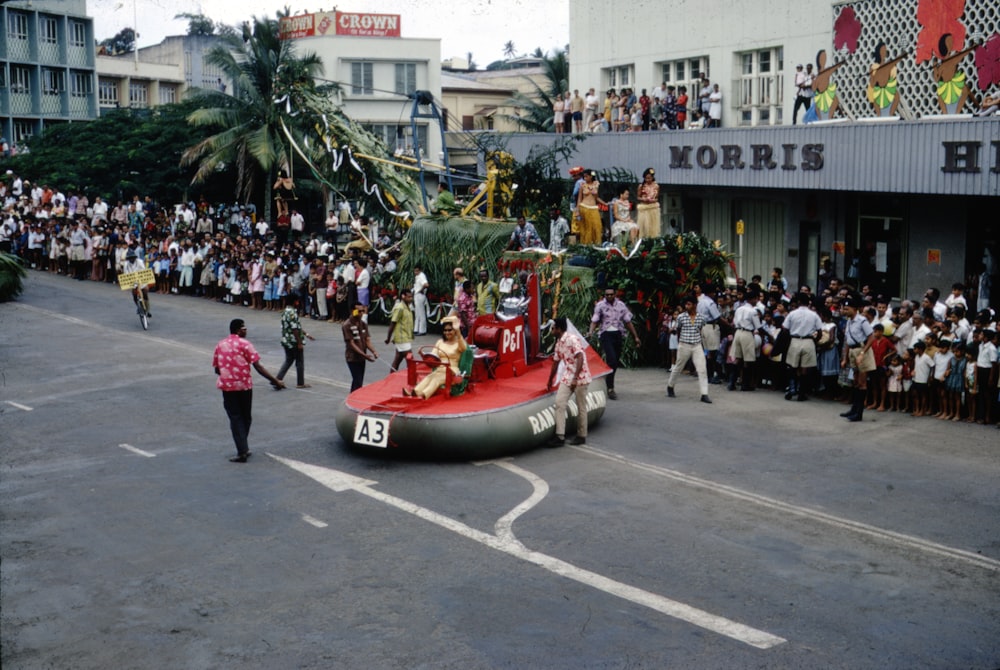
(809, 255)
(878, 260)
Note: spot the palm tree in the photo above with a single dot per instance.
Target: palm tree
(534, 112)
(508, 50)
(538, 53)
(265, 71)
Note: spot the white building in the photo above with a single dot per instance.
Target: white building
(378, 71)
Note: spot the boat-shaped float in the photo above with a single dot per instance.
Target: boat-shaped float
(501, 406)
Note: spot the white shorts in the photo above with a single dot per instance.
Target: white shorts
(403, 347)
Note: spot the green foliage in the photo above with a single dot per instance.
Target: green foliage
(653, 280)
(198, 24)
(122, 43)
(121, 154)
(12, 274)
(249, 125)
(440, 244)
(541, 186)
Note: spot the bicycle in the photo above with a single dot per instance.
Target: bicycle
(141, 306)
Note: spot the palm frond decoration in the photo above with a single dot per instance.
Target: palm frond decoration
(12, 275)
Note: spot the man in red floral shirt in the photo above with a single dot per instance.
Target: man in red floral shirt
(232, 360)
(574, 379)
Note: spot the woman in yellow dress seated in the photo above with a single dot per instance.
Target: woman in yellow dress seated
(449, 349)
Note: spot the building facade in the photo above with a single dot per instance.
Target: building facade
(47, 66)
(898, 189)
(378, 71)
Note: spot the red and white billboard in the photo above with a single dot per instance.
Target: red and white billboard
(349, 24)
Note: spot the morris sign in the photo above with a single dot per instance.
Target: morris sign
(347, 24)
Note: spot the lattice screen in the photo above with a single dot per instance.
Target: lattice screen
(895, 23)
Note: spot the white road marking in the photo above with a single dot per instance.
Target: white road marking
(341, 481)
(891, 537)
(313, 521)
(19, 405)
(135, 450)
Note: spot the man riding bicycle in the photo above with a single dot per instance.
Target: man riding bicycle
(135, 264)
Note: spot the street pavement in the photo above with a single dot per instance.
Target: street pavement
(750, 533)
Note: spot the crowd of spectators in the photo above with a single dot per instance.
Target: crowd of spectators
(935, 357)
(217, 252)
(665, 107)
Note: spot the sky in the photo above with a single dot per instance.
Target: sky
(478, 26)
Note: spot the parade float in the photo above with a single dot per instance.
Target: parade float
(499, 405)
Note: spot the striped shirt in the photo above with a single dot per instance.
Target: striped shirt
(689, 329)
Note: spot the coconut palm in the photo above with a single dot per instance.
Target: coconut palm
(508, 49)
(265, 72)
(534, 111)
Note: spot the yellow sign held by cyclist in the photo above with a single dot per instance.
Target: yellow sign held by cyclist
(128, 280)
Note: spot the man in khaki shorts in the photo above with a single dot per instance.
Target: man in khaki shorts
(858, 355)
(746, 321)
(804, 325)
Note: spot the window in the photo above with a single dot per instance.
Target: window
(20, 80)
(23, 131)
(168, 94)
(758, 90)
(398, 138)
(684, 72)
(77, 34)
(47, 30)
(618, 77)
(138, 93)
(53, 82)
(361, 78)
(17, 26)
(82, 85)
(107, 93)
(406, 78)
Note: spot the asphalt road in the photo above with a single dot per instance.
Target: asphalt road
(752, 533)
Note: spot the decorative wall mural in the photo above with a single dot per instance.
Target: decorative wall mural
(955, 66)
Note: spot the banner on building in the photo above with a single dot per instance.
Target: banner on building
(348, 24)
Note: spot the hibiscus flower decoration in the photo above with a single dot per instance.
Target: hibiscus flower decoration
(938, 17)
(846, 30)
(988, 62)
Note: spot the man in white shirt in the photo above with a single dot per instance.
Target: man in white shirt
(420, 285)
(298, 224)
(589, 108)
(803, 90)
(100, 210)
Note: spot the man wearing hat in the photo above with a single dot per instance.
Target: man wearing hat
(858, 355)
(803, 90)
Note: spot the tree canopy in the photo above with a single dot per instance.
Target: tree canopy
(122, 43)
(121, 154)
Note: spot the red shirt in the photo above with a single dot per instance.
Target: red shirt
(233, 358)
(880, 347)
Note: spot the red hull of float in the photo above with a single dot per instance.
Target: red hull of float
(493, 417)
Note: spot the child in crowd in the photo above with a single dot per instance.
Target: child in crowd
(942, 369)
(894, 381)
(970, 378)
(954, 382)
(881, 346)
